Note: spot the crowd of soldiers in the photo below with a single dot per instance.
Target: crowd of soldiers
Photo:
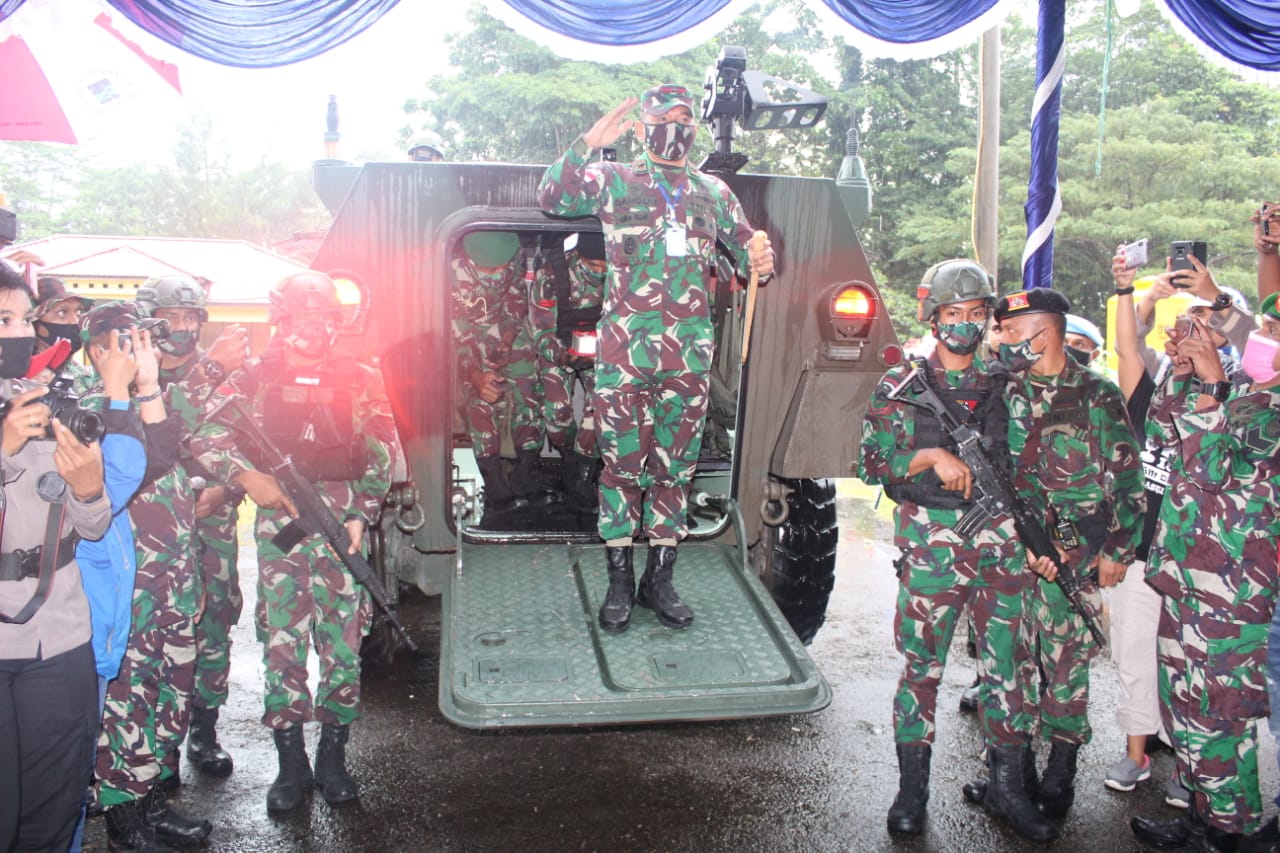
(149, 466)
(1159, 485)
(108, 667)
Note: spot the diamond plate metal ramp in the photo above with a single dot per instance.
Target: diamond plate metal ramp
(521, 646)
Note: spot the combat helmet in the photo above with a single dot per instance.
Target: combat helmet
(426, 141)
(953, 281)
(174, 290)
(305, 292)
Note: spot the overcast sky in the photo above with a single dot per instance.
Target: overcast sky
(279, 113)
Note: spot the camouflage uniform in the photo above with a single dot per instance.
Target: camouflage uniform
(940, 573)
(557, 367)
(1214, 563)
(1076, 451)
(655, 335)
(148, 704)
(306, 592)
(492, 333)
(216, 546)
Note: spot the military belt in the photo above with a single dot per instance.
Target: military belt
(19, 565)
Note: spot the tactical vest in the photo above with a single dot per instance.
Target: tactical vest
(569, 320)
(986, 413)
(309, 414)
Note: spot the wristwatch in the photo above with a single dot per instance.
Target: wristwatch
(1222, 302)
(213, 370)
(1220, 390)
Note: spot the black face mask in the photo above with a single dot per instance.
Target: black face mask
(15, 356)
(70, 332)
(1079, 356)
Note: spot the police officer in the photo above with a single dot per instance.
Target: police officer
(564, 309)
(179, 300)
(661, 219)
(940, 572)
(1214, 564)
(1078, 462)
(498, 366)
(329, 413)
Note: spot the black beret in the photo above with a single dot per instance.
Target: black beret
(1038, 300)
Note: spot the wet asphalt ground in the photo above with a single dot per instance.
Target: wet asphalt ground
(814, 783)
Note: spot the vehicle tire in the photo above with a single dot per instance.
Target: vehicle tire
(800, 556)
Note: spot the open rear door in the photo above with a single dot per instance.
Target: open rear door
(521, 645)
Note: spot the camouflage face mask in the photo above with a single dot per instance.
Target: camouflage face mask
(670, 141)
(960, 338)
(181, 342)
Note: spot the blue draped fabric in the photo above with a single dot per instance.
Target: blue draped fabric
(908, 21)
(618, 22)
(257, 35)
(1043, 201)
(1244, 31)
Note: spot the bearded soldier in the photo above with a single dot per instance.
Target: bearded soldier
(905, 449)
(661, 219)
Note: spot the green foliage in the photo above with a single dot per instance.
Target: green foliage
(54, 191)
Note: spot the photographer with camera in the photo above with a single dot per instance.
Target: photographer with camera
(146, 712)
(1213, 562)
(52, 492)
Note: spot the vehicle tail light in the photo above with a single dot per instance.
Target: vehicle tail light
(853, 309)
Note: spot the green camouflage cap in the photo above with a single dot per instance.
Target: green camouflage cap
(121, 316)
(661, 100)
(491, 249)
(1268, 307)
(50, 291)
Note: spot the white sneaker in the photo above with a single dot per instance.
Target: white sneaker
(1176, 795)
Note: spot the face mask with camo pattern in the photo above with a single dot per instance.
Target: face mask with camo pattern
(669, 141)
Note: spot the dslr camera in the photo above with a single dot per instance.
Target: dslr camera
(64, 404)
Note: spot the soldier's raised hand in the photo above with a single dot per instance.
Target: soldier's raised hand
(231, 348)
(615, 123)
(146, 361)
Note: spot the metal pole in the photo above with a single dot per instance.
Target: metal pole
(986, 184)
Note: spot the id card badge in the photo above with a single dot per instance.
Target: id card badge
(676, 247)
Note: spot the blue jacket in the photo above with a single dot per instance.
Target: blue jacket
(107, 566)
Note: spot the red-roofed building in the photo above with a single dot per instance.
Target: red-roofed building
(113, 267)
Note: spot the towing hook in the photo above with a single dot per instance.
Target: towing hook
(409, 516)
(774, 509)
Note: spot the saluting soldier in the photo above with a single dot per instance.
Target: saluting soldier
(1079, 462)
(661, 219)
(905, 449)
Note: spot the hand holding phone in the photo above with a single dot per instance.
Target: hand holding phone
(1180, 252)
(1135, 254)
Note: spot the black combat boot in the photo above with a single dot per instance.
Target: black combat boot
(294, 779)
(498, 495)
(169, 826)
(1007, 796)
(907, 812)
(526, 483)
(126, 833)
(615, 613)
(202, 743)
(656, 591)
(1058, 784)
(975, 791)
(1185, 830)
(332, 777)
(1217, 841)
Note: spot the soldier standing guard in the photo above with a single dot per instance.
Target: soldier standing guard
(564, 309)
(180, 301)
(329, 413)
(661, 219)
(905, 449)
(1079, 463)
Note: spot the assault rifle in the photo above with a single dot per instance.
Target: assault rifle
(995, 495)
(313, 515)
